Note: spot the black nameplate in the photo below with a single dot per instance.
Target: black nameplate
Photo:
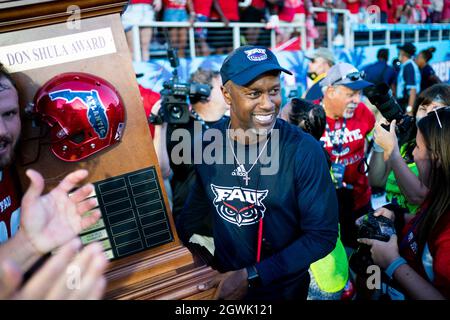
(134, 217)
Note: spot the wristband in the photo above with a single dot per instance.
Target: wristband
(394, 266)
(155, 119)
(253, 277)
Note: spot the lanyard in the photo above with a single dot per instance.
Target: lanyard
(338, 146)
(406, 241)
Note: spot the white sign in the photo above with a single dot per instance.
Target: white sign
(53, 51)
(442, 70)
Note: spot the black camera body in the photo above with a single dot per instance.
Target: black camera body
(381, 97)
(378, 228)
(174, 104)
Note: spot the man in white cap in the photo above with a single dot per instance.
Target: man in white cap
(320, 62)
(349, 122)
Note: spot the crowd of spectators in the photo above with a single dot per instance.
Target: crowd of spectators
(271, 12)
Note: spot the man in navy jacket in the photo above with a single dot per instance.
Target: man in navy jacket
(269, 195)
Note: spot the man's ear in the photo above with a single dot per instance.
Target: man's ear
(331, 92)
(226, 94)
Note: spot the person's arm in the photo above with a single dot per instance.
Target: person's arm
(412, 96)
(191, 10)
(160, 144)
(218, 8)
(416, 287)
(49, 221)
(409, 184)
(157, 5)
(410, 83)
(192, 218)
(318, 216)
(379, 170)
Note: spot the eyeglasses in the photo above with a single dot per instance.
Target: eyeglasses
(353, 76)
(437, 114)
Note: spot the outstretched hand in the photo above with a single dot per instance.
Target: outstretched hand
(230, 285)
(51, 220)
(67, 275)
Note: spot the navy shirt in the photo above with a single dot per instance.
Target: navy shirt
(429, 77)
(380, 71)
(297, 203)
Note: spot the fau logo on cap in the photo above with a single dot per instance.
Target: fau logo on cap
(239, 206)
(257, 54)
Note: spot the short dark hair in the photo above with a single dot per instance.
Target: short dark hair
(5, 74)
(428, 53)
(308, 116)
(383, 54)
(203, 76)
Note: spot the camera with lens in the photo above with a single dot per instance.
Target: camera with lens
(175, 94)
(381, 97)
(378, 228)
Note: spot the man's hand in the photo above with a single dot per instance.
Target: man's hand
(383, 253)
(51, 220)
(230, 285)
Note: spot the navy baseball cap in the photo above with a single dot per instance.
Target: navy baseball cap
(246, 63)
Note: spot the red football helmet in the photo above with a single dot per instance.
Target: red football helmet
(85, 113)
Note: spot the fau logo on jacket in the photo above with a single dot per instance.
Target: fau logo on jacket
(240, 206)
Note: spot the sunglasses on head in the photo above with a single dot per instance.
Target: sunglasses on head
(353, 76)
(436, 112)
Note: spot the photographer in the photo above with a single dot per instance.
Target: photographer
(392, 166)
(418, 263)
(204, 112)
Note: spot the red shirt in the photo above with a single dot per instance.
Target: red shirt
(229, 8)
(352, 143)
(141, 1)
(174, 4)
(291, 7)
(353, 7)
(9, 205)
(259, 4)
(446, 10)
(382, 4)
(439, 249)
(321, 16)
(393, 10)
(149, 98)
(203, 7)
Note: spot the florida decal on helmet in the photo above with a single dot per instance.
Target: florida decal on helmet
(85, 113)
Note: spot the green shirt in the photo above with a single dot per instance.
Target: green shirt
(393, 192)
